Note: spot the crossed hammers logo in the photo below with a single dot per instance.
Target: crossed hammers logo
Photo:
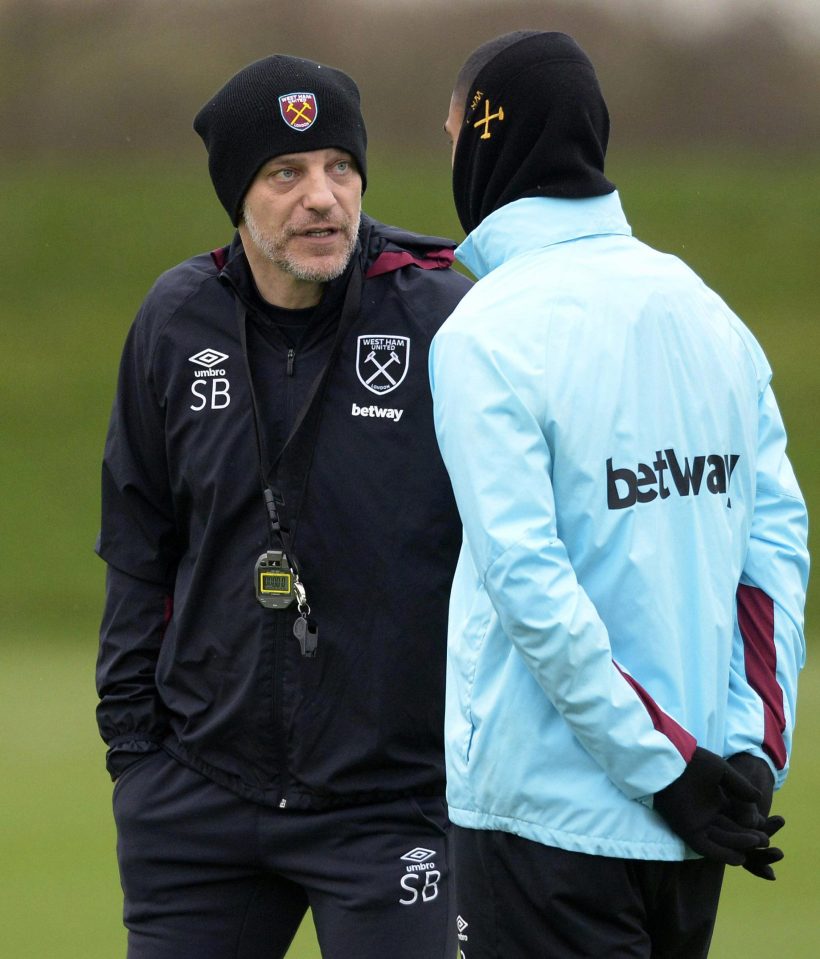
(382, 361)
(299, 110)
(371, 358)
(301, 113)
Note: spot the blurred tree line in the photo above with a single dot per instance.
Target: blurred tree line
(128, 75)
(110, 87)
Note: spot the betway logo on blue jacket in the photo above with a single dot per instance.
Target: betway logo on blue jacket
(626, 487)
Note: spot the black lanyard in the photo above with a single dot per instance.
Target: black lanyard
(290, 469)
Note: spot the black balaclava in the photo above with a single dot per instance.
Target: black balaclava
(275, 106)
(546, 134)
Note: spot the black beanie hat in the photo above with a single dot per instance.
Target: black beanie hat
(535, 124)
(274, 106)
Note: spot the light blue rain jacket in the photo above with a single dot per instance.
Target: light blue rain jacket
(634, 566)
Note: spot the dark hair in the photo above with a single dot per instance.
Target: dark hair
(481, 56)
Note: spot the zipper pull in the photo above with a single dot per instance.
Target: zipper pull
(291, 357)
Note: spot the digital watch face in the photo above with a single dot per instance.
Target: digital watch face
(279, 583)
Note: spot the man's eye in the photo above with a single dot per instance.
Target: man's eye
(286, 175)
(342, 166)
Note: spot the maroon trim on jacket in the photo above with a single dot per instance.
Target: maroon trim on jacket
(755, 618)
(388, 262)
(681, 739)
(167, 613)
(220, 257)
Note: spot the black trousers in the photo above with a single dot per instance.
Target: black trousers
(519, 899)
(209, 875)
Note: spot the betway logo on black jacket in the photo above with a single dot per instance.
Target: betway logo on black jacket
(687, 476)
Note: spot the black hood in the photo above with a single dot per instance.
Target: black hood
(535, 124)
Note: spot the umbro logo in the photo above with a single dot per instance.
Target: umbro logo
(208, 358)
(419, 854)
(211, 388)
(421, 878)
(461, 924)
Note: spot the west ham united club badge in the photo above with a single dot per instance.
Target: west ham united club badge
(299, 110)
(381, 361)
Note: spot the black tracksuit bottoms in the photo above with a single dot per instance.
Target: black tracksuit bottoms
(519, 899)
(209, 875)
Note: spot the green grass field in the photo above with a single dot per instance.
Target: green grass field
(61, 893)
(83, 245)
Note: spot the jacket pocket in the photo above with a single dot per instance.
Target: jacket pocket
(431, 811)
(140, 760)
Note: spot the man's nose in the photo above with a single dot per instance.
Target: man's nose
(319, 194)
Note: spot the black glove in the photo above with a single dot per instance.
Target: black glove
(700, 807)
(756, 815)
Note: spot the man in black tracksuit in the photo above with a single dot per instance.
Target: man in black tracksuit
(280, 538)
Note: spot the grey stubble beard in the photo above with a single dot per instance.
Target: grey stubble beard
(274, 248)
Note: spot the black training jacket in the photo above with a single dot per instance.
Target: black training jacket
(188, 658)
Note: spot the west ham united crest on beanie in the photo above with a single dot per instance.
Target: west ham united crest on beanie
(275, 106)
(299, 110)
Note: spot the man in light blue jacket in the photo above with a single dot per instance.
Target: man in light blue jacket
(626, 617)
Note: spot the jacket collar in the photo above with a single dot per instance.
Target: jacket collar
(536, 222)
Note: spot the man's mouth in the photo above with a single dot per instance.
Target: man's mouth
(319, 232)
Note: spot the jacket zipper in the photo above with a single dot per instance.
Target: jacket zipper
(279, 650)
(279, 641)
